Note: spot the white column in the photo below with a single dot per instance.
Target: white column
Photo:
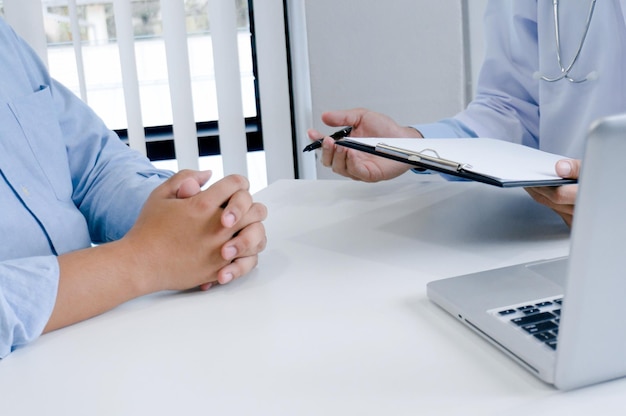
(273, 79)
(301, 81)
(26, 18)
(232, 128)
(175, 37)
(130, 79)
(78, 49)
(97, 21)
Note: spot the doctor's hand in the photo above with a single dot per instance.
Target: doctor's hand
(560, 198)
(356, 164)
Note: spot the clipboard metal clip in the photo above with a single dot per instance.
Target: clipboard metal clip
(423, 157)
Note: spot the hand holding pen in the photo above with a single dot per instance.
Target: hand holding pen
(345, 132)
(361, 165)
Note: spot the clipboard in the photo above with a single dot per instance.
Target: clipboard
(491, 161)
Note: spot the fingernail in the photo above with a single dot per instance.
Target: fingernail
(227, 278)
(563, 168)
(229, 220)
(230, 252)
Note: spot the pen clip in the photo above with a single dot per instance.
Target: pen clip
(420, 156)
(345, 132)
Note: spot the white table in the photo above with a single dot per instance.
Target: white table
(334, 320)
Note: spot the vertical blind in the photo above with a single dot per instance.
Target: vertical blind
(26, 16)
(130, 79)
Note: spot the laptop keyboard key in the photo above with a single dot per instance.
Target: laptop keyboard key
(533, 319)
(545, 336)
(506, 312)
(540, 327)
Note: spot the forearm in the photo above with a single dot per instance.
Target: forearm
(175, 244)
(95, 280)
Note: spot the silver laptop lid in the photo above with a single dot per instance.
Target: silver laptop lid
(592, 336)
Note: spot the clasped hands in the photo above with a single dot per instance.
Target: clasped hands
(188, 237)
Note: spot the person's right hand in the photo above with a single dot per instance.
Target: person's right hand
(360, 165)
(186, 238)
(562, 199)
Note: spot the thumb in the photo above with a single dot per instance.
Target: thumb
(569, 168)
(350, 117)
(188, 188)
(184, 184)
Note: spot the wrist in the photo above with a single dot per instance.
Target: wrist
(94, 280)
(139, 277)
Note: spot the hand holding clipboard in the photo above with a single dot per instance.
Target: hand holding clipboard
(491, 161)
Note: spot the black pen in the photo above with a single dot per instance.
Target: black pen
(345, 132)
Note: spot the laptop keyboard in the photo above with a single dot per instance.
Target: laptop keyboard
(539, 319)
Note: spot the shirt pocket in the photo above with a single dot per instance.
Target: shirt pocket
(40, 147)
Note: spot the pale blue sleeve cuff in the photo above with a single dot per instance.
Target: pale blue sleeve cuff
(445, 129)
(28, 291)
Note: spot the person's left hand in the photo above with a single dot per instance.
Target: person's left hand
(560, 198)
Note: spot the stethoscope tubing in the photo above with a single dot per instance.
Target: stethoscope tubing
(565, 70)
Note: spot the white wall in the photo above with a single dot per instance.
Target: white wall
(26, 18)
(476, 10)
(404, 58)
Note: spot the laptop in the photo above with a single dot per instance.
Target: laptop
(562, 318)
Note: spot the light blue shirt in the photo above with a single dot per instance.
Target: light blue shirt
(511, 104)
(66, 181)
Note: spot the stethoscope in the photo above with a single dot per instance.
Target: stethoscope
(565, 70)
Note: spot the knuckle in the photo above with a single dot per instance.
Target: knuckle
(240, 181)
(252, 241)
(204, 203)
(244, 264)
(244, 240)
(260, 210)
(253, 261)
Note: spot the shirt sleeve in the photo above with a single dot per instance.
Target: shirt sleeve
(445, 129)
(111, 182)
(28, 289)
(109, 185)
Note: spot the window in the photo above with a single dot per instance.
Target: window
(251, 75)
(94, 72)
(102, 67)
